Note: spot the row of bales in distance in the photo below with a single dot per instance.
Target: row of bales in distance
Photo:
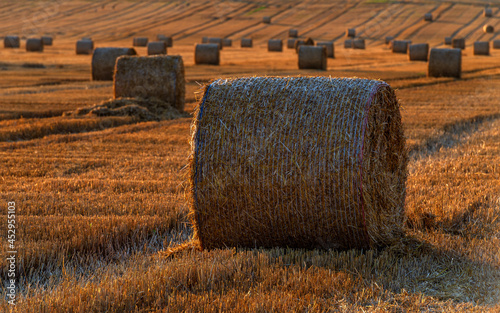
(31, 45)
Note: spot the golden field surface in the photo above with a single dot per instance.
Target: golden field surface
(99, 198)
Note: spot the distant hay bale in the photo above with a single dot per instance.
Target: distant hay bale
(11, 42)
(400, 46)
(266, 20)
(157, 47)
(47, 40)
(246, 43)
(226, 42)
(428, 17)
(350, 32)
(388, 39)
(160, 77)
(447, 40)
(496, 44)
(418, 52)
(358, 43)
(290, 43)
(303, 42)
(275, 45)
(104, 59)
(311, 57)
(168, 40)
(34, 45)
(140, 41)
(445, 63)
(84, 46)
(204, 40)
(86, 38)
(481, 48)
(293, 33)
(488, 29)
(330, 48)
(299, 162)
(458, 43)
(216, 40)
(207, 53)
(348, 43)
(488, 12)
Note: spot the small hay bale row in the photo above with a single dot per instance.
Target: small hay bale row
(140, 41)
(400, 46)
(160, 77)
(447, 40)
(488, 12)
(496, 44)
(293, 33)
(47, 40)
(350, 32)
(246, 43)
(290, 43)
(488, 29)
(481, 48)
(34, 45)
(157, 47)
(388, 39)
(458, 43)
(445, 63)
(330, 48)
(168, 40)
(428, 17)
(226, 42)
(266, 20)
(84, 46)
(418, 52)
(275, 45)
(104, 59)
(358, 44)
(11, 42)
(216, 40)
(207, 53)
(300, 162)
(311, 57)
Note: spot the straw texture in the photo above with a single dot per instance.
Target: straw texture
(400, 46)
(358, 44)
(157, 47)
(348, 43)
(216, 40)
(160, 77)
(140, 41)
(350, 32)
(418, 52)
(168, 40)
(290, 43)
(226, 42)
(447, 41)
(458, 43)
(303, 42)
(482, 48)
(311, 57)
(275, 45)
(309, 162)
(207, 53)
(293, 33)
(330, 48)
(246, 43)
(104, 59)
(445, 62)
(11, 42)
(34, 45)
(84, 46)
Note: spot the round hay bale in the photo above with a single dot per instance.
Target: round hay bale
(168, 40)
(226, 42)
(290, 43)
(488, 29)
(488, 12)
(428, 17)
(160, 77)
(140, 41)
(330, 48)
(418, 52)
(246, 43)
(207, 53)
(447, 40)
(47, 40)
(204, 40)
(482, 48)
(11, 42)
(400, 46)
(266, 20)
(303, 42)
(445, 63)
(388, 39)
(34, 45)
(358, 44)
(348, 43)
(350, 32)
(157, 47)
(458, 43)
(293, 33)
(216, 40)
(311, 57)
(104, 59)
(496, 44)
(300, 162)
(275, 45)
(84, 46)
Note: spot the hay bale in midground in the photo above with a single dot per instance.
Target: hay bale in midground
(160, 77)
(445, 63)
(290, 43)
(300, 162)
(350, 32)
(216, 40)
(34, 45)
(330, 48)
(400, 46)
(311, 57)
(84, 47)
(488, 29)
(168, 40)
(348, 43)
(488, 12)
(140, 41)
(275, 45)
(11, 42)
(204, 39)
(104, 59)
(293, 33)
(157, 47)
(388, 39)
(482, 48)
(266, 20)
(458, 43)
(226, 42)
(496, 44)
(358, 44)
(447, 40)
(418, 52)
(428, 17)
(47, 40)
(207, 53)
(246, 43)
(303, 42)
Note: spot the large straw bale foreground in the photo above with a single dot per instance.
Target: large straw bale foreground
(298, 162)
(160, 77)
(104, 59)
